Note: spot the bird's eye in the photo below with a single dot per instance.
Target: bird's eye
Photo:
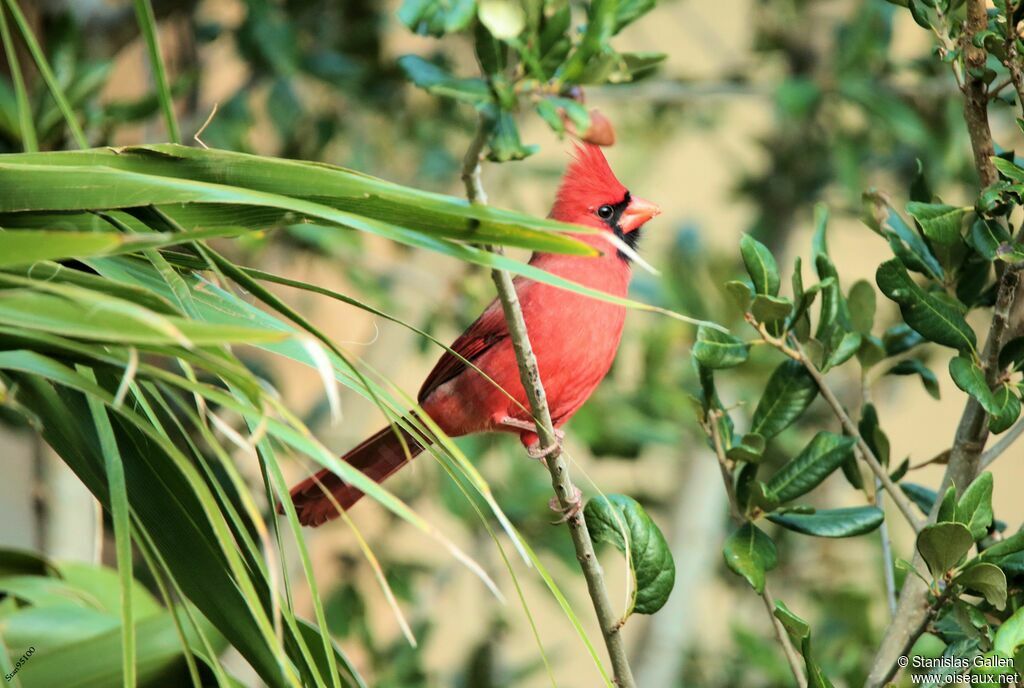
(605, 212)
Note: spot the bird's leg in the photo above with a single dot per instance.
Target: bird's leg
(575, 503)
(534, 449)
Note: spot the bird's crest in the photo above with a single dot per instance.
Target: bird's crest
(588, 183)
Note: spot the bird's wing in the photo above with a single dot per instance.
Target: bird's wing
(484, 333)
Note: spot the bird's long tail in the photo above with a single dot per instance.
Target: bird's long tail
(377, 457)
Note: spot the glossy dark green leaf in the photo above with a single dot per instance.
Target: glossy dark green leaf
(1008, 408)
(846, 347)
(872, 432)
(920, 495)
(801, 474)
(943, 545)
(740, 293)
(833, 523)
(912, 366)
(988, 236)
(900, 338)
(1010, 636)
(654, 571)
(790, 390)
(761, 265)
(750, 553)
(971, 379)
(942, 225)
(947, 507)
(1004, 548)
(799, 632)
(974, 508)
(716, 349)
(433, 79)
(987, 579)
(770, 309)
(750, 448)
(931, 317)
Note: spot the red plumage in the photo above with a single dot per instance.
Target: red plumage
(574, 338)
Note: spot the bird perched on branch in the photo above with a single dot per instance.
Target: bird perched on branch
(574, 338)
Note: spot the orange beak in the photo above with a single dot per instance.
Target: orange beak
(637, 213)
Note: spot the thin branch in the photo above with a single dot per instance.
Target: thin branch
(898, 497)
(976, 93)
(565, 491)
(792, 657)
(796, 352)
(1004, 443)
(887, 571)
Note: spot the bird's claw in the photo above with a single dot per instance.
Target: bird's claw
(573, 506)
(534, 451)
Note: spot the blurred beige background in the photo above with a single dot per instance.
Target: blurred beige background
(691, 177)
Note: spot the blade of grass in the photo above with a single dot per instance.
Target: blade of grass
(147, 23)
(120, 514)
(28, 130)
(44, 69)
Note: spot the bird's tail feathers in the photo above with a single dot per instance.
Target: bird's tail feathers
(377, 457)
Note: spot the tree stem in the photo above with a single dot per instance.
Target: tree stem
(710, 425)
(555, 461)
(914, 610)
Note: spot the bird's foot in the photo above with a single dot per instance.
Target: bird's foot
(511, 422)
(573, 506)
(534, 451)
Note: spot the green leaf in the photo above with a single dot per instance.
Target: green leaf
(505, 19)
(436, 18)
(912, 366)
(750, 449)
(974, 509)
(987, 579)
(971, 379)
(947, 508)
(832, 523)
(822, 455)
(504, 143)
(770, 309)
(800, 633)
(1010, 635)
(861, 301)
(988, 237)
(942, 225)
(750, 553)
(1004, 548)
(761, 266)
(790, 390)
(24, 246)
(434, 79)
(848, 345)
(872, 432)
(920, 495)
(899, 339)
(1007, 405)
(88, 316)
(715, 349)
(931, 317)
(654, 572)
(740, 294)
(943, 545)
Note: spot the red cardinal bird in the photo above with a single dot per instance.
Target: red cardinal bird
(574, 338)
